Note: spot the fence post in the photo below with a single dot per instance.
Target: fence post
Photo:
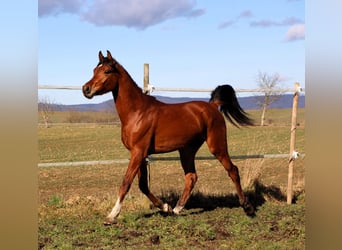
(147, 91)
(146, 78)
(293, 154)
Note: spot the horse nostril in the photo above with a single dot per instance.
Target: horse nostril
(86, 89)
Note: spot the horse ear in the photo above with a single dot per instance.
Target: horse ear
(101, 57)
(109, 55)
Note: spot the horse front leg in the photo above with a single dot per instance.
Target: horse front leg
(132, 170)
(143, 185)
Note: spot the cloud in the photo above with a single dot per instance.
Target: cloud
(295, 32)
(268, 23)
(139, 14)
(197, 12)
(56, 7)
(246, 13)
(228, 23)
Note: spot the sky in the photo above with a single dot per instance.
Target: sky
(187, 43)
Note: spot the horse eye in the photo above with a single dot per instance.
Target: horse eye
(108, 71)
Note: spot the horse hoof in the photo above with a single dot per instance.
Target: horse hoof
(177, 210)
(167, 208)
(249, 209)
(109, 221)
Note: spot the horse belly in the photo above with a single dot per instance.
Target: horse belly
(175, 136)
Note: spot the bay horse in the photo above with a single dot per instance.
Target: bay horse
(149, 126)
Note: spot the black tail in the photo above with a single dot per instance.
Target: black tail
(224, 97)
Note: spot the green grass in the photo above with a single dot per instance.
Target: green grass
(76, 222)
(69, 142)
(73, 201)
(80, 143)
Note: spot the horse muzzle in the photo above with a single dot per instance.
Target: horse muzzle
(87, 91)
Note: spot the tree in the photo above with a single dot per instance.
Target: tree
(269, 84)
(46, 108)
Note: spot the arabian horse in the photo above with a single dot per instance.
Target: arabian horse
(149, 126)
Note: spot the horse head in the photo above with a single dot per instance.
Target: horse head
(105, 78)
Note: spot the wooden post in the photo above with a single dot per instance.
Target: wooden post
(147, 91)
(146, 78)
(293, 154)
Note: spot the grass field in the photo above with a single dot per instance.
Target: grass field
(73, 201)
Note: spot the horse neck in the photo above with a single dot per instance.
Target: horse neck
(128, 97)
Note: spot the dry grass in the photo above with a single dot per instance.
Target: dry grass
(252, 168)
(252, 171)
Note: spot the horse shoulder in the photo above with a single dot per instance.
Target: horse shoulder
(138, 130)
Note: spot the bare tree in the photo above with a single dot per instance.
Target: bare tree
(269, 84)
(46, 108)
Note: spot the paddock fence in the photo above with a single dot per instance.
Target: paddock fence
(149, 88)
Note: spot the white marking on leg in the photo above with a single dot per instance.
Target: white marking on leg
(166, 208)
(116, 210)
(177, 209)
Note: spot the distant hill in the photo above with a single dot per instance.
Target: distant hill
(285, 101)
(247, 103)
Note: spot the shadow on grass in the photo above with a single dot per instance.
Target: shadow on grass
(207, 202)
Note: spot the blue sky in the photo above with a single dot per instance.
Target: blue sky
(189, 44)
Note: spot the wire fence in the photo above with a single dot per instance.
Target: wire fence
(164, 89)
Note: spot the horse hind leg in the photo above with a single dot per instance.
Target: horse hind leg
(221, 153)
(188, 164)
(233, 173)
(143, 185)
